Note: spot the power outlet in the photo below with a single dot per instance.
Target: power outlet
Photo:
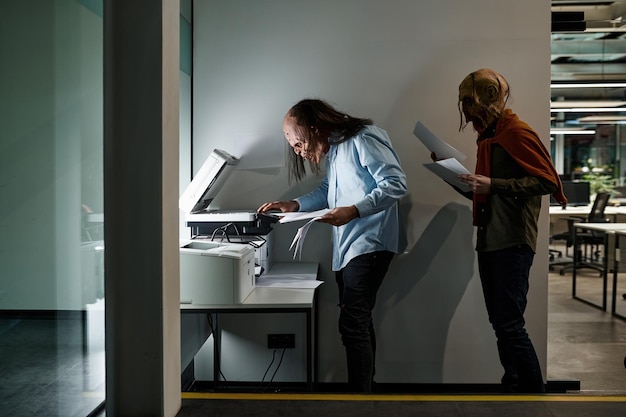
(281, 341)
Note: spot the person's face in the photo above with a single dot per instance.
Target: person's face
(482, 96)
(311, 150)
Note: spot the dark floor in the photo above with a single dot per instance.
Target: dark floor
(399, 406)
(45, 370)
(584, 342)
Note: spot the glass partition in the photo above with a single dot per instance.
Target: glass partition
(588, 113)
(51, 210)
(588, 106)
(51, 206)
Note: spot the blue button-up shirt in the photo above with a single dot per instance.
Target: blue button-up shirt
(363, 171)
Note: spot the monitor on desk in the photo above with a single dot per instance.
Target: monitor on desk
(577, 193)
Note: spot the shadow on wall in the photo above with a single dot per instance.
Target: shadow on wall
(416, 303)
(420, 296)
(317, 248)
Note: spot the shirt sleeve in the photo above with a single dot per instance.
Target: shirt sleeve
(382, 163)
(526, 186)
(316, 199)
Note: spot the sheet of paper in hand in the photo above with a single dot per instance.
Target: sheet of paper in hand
(448, 169)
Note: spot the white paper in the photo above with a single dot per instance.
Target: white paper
(300, 215)
(285, 282)
(448, 170)
(436, 145)
(290, 275)
(298, 239)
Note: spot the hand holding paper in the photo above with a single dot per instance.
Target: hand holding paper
(300, 215)
(448, 168)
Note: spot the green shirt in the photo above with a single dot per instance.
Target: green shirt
(511, 214)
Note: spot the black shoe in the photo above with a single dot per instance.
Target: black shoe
(510, 388)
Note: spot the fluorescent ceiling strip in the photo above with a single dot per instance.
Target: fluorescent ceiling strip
(588, 85)
(571, 132)
(603, 119)
(588, 110)
(561, 104)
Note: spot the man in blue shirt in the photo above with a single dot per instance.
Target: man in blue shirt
(362, 186)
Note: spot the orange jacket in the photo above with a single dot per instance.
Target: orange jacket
(523, 144)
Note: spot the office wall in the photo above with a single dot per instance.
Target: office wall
(397, 62)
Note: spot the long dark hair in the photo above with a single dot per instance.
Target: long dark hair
(318, 121)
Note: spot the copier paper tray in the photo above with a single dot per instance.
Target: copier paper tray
(215, 273)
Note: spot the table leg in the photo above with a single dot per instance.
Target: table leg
(216, 351)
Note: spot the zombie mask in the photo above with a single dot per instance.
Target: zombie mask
(482, 97)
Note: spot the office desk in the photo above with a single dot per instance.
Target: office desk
(270, 299)
(607, 229)
(583, 210)
(557, 214)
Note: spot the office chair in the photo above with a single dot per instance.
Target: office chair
(587, 242)
(568, 237)
(555, 253)
(597, 210)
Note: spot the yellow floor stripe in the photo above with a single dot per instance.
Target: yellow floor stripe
(400, 397)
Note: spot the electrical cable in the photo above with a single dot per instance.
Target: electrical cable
(267, 370)
(224, 231)
(257, 245)
(282, 355)
(278, 366)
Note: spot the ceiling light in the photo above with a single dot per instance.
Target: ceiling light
(602, 120)
(589, 85)
(573, 131)
(588, 110)
(563, 104)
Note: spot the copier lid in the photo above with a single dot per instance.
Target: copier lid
(207, 182)
(198, 196)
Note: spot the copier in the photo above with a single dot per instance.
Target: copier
(227, 249)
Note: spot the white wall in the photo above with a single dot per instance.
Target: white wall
(396, 62)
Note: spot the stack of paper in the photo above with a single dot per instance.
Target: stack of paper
(448, 167)
(300, 215)
(301, 275)
(298, 239)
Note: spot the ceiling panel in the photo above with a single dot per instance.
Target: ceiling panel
(595, 55)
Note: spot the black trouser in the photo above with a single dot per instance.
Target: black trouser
(504, 277)
(358, 284)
